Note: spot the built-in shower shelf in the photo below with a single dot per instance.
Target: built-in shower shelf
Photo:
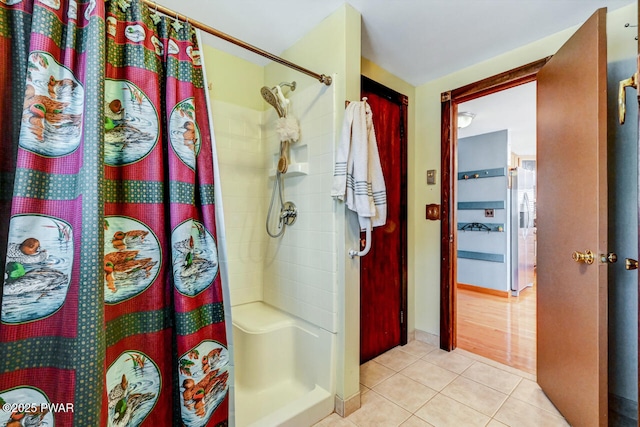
(294, 169)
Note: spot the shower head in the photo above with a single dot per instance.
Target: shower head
(275, 97)
(269, 95)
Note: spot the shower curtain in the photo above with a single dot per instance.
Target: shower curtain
(112, 310)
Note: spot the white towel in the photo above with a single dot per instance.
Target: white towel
(357, 177)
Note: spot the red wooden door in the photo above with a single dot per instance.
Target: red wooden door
(383, 270)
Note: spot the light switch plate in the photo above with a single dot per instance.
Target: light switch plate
(431, 177)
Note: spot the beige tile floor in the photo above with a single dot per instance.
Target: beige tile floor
(419, 385)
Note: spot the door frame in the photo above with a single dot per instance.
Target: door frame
(402, 101)
(449, 145)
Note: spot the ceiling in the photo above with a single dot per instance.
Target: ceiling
(513, 109)
(416, 40)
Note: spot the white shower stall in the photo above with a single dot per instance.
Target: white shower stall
(282, 289)
(295, 338)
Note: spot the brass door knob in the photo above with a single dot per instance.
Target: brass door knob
(630, 264)
(586, 257)
(608, 258)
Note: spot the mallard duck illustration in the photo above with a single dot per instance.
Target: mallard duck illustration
(41, 280)
(195, 266)
(194, 54)
(72, 11)
(58, 120)
(123, 265)
(124, 239)
(48, 104)
(191, 263)
(54, 4)
(30, 418)
(135, 33)
(27, 252)
(211, 359)
(61, 89)
(195, 395)
(118, 392)
(157, 44)
(189, 135)
(125, 134)
(43, 113)
(113, 113)
(119, 257)
(125, 409)
(184, 246)
(89, 9)
(112, 26)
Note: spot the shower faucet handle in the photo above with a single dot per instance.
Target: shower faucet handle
(289, 213)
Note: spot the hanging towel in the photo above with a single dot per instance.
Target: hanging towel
(357, 176)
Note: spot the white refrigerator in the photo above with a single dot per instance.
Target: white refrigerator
(522, 228)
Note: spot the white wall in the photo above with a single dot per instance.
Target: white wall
(243, 179)
(333, 48)
(295, 272)
(300, 271)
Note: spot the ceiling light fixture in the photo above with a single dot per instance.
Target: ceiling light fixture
(464, 119)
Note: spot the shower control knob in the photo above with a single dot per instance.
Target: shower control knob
(289, 213)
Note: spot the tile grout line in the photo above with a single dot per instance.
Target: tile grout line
(394, 371)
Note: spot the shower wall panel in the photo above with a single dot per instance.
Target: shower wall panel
(300, 267)
(243, 176)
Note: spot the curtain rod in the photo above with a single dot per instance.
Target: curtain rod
(322, 78)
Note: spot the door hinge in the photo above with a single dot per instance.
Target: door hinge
(401, 316)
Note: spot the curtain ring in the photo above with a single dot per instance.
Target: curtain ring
(156, 7)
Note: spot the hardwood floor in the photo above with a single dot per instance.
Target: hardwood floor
(501, 329)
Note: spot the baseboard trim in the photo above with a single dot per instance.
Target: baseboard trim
(344, 408)
(480, 289)
(428, 338)
(623, 410)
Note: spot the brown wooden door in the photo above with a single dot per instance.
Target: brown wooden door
(638, 95)
(383, 270)
(572, 216)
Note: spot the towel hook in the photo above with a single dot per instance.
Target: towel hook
(367, 245)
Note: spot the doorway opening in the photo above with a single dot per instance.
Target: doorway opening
(496, 233)
(452, 103)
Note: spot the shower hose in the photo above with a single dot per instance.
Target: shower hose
(277, 187)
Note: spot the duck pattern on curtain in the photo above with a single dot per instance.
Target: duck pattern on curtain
(112, 310)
